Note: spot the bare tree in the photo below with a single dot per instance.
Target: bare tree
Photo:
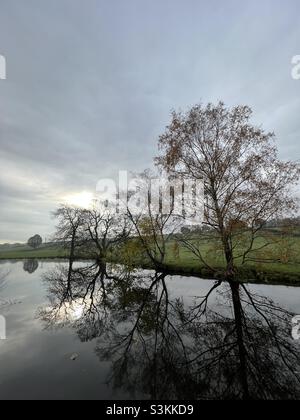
(155, 223)
(69, 231)
(246, 185)
(106, 229)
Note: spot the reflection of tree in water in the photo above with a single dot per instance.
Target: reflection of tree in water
(165, 349)
(30, 266)
(247, 355)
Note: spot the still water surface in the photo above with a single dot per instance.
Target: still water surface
(105, 333)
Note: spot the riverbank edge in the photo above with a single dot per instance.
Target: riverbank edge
(247, 275)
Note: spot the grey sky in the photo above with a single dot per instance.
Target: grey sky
(90, 85)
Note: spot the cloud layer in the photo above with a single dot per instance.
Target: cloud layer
(90, 86)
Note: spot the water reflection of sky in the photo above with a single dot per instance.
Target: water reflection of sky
(35, 363)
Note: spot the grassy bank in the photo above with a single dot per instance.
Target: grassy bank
(184, 262)
(25, 252)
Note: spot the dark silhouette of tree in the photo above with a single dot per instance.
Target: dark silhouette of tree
(106, 230)
(92, 233)
(35, 241)
(155, 224)
(70, 232)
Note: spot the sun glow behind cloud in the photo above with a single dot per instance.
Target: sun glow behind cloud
(83, 199)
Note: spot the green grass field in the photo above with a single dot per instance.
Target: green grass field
(273, 272)
(285, 271)
(25, 252)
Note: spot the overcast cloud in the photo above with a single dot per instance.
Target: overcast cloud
(90, 85)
